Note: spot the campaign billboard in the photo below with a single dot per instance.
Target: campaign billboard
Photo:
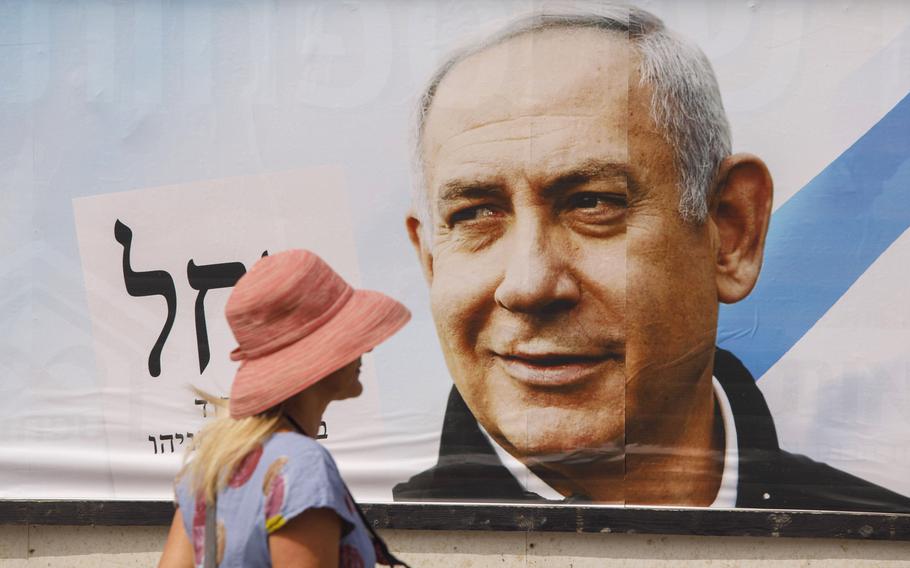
(655, 256)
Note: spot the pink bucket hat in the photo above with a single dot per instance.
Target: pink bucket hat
(297, 321)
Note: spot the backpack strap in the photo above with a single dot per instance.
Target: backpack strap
(210, 560)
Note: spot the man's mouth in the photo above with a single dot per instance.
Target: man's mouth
(553, 369)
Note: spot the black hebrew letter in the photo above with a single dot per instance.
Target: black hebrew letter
(154, 444)
(204, 278)
(148, 283)
(323, 431)
(204, 403)
(179, 437)
(189, 435)
(168, 437)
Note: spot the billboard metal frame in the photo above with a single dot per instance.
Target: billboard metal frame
(509, 518)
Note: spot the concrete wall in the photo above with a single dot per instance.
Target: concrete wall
(78, 547)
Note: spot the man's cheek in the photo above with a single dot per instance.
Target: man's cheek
(464, 282)
(645, 307)
(649, 245)
(606, 280)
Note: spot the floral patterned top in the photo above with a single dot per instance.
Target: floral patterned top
(281, 479)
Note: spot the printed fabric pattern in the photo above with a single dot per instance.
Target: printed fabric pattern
(279, 480)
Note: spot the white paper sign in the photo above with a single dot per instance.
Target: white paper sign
(159, 265)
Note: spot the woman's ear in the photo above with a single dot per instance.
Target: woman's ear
(740, 211)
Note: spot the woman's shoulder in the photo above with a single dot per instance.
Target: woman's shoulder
(298, 450)
(298, 473)
(285, 459)
(294, 441)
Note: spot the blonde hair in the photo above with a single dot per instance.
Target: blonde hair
(219, 448)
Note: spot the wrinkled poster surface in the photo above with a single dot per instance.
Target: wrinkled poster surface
(629, 285)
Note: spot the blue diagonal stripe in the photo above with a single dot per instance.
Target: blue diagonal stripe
(822, 240)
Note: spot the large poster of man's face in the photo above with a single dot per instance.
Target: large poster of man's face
(582, 217)
(654, 253)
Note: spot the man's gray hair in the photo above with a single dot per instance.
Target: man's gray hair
(685, 104)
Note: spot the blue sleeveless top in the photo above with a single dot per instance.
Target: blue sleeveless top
(279, 480)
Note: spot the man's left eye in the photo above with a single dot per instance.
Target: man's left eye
(595, 200)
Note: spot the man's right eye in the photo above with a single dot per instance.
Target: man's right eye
(471, 214)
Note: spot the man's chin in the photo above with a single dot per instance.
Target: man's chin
(557, 447)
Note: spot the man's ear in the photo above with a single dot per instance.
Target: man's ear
(422, 248)
(740, 211)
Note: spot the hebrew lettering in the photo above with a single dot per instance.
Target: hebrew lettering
(169, 438)
(148, 283)
(203, 278)
(180, 437)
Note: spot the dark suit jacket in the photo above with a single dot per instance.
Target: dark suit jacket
(769, 478)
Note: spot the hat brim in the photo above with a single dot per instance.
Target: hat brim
(368, 319)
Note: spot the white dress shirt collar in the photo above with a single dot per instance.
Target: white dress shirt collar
(726, 494)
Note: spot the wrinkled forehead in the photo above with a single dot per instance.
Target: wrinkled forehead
(551, 73)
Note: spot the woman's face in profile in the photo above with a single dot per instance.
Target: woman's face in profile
(345, 382)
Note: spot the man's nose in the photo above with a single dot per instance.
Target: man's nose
(537, 276)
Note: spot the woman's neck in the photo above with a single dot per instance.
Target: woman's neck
(305, 413)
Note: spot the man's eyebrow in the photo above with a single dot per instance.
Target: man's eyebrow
(592, 170)
(457, 189)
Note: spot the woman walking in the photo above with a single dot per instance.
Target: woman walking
(258, 490)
